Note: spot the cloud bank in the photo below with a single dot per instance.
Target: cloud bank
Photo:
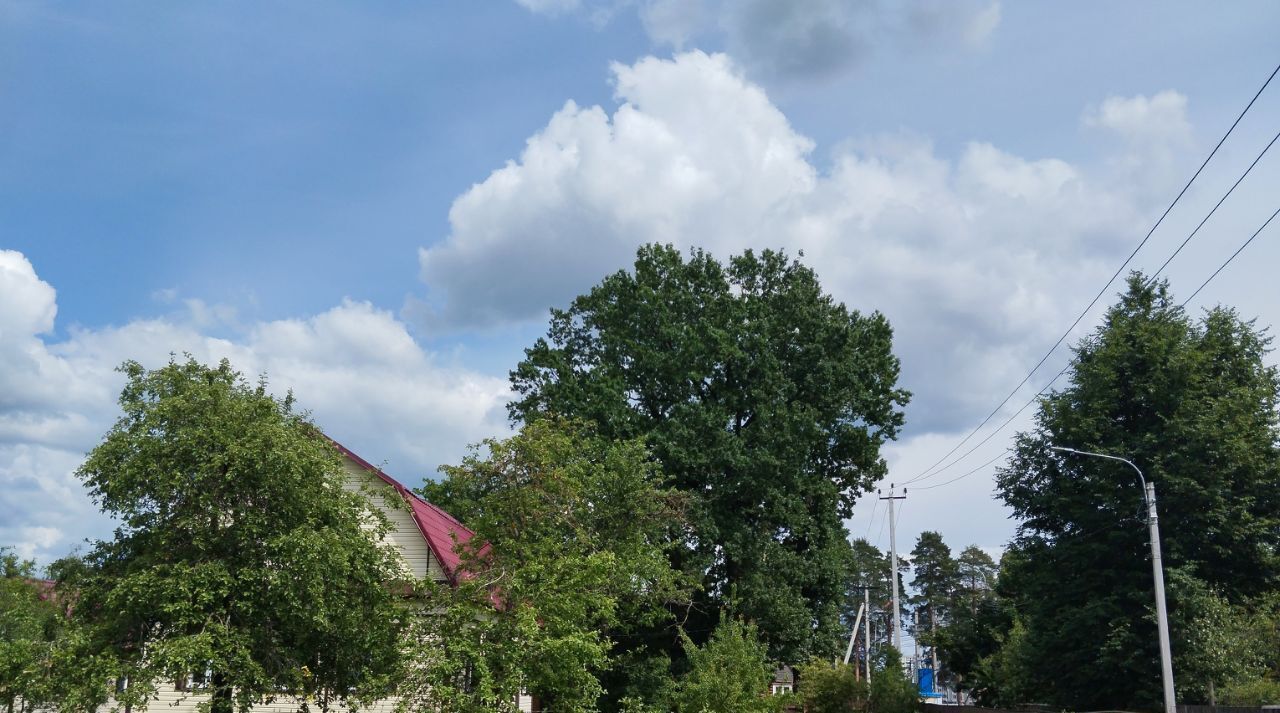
(356, 368)
(976, 258)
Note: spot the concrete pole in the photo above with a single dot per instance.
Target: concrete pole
(915, 646)
(866, 603)
(1162, 616)
(892, 576)
(853, 635)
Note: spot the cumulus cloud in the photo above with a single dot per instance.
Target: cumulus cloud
(365, 380)
(976, 258)
(782, 39)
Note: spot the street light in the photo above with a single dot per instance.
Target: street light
(1157, 571)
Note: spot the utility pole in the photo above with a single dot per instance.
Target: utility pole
(866, 658)
(1162, 616)
(915, 646)
(1157, 572)
(893, 563)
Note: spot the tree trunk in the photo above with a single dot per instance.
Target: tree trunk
(221, 700)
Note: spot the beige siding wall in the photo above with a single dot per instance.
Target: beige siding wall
(406, 537)
(170, 701)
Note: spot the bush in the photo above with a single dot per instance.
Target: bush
(729, 674)
(832, 688)
(1258, 692)
(892, 692)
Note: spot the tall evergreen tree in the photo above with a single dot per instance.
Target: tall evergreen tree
(1192, 403)
(934, 582)
(766, 402)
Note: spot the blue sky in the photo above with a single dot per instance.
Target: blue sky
(377, 203)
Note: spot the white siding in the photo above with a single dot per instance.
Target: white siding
(169, 700)
(406, 536)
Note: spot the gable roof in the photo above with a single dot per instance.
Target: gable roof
(440, 529)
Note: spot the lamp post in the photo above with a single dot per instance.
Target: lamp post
(1157, 571)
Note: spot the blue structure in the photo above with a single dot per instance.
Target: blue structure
(924, 677)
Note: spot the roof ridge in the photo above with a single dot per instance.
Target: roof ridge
(458, 533)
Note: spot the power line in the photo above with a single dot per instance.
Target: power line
(999, 428)
(1042, 391)
(966, 475)
(1233, 257)
(883, 521)
(928, 472)
(874, 504)
(1215, 207)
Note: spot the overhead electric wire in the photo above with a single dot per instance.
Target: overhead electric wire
(884, 521)
(929, 472)
(966, 475)
(872, 520)
(1233, 257)
(1165, 264)
(1042, 391)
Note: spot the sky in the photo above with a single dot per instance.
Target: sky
(376, 204)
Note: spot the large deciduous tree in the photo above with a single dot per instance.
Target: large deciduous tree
(239, 550)
(766, 402)
(1193, 404)
(571, 532)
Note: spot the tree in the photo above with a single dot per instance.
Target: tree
(832, 688)
(728, 674)
(976, 576)
(30, 625)
(1193, 404)
(239, 550)
(766, 402)
(869, 567)
(891, 691)
(977, 625)
(935, 583)
(570, 541)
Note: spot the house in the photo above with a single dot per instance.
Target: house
(423, 533)
(784, 681)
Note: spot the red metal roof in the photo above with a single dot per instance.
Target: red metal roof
(440, 529)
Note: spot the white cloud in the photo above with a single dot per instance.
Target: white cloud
(356, 368)
(1159, 118)
(976, 258)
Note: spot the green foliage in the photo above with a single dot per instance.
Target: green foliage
(1254, 692)
(1006, 678)
(976, 576)
(729, 674)
(238, 549)
(1194, 406)
(1259, 631)
(1218, 643)
(935, 582)
(30, 625)
(765, 401)
(832, 688)
(891, 691)
(574, 530)
(869, 567)
(975, 634)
